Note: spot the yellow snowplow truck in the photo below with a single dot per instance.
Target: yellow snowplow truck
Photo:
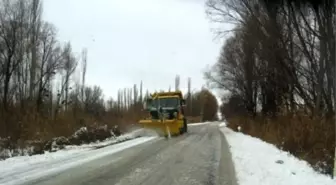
(165, 114)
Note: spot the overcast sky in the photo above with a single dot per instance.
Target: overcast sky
(133, 40)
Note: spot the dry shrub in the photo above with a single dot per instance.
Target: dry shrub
(194, 119)
(312, 140)
(25, 127)
(28, 128)
(31, 125)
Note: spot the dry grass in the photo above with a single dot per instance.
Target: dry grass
(312, 140)
(194, 119)
(30, 125)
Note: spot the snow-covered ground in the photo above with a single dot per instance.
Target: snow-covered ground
(195, 124)
(17, 170)
(223, 124)
(256, 162)
(259, 163)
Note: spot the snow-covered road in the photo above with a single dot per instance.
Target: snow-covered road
(199, 157)
(210, 153)
(19, 170)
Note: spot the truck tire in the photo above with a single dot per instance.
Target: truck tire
(182, 129)
(185, 126)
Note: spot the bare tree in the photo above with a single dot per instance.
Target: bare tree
(69, 65)
(177, 82)
(84, 66)
(50, 61)
(141, 95)
(35, 23)
(94, 102)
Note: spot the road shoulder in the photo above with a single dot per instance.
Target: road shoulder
(227, 174)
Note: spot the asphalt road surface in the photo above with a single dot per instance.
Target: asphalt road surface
(200, 157)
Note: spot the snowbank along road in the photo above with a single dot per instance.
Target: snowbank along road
(199, 157)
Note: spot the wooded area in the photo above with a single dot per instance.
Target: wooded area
(43, 93)
(278, 66)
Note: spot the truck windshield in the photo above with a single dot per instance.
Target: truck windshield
(165, 102)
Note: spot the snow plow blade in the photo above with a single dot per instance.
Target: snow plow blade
(164, 128)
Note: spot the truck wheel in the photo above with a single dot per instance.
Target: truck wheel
(185, 125)
(181, 131)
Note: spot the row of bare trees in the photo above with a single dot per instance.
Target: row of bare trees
(203, 104)
(42, 81)
(200, 103)
(278, 66)
(30, 58)
(280, 58)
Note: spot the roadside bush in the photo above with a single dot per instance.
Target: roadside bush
(84, 135)
(308, 139)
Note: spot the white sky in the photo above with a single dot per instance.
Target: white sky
(132, 40)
